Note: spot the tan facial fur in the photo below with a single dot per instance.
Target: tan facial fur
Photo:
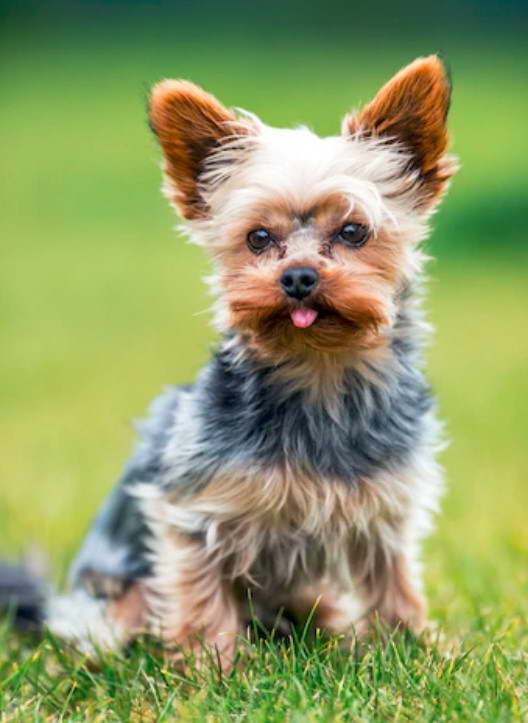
(354, 297)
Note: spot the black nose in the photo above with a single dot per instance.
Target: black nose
(299, 281)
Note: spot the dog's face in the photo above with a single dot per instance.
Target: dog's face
(314, 239)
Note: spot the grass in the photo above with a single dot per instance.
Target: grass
(101, 305)
(400, 679)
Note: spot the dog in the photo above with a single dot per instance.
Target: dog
(299, 471)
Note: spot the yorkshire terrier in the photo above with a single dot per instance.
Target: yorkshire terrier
(298, 472)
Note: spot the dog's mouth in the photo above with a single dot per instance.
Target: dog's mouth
(306, 317)
(303, 317)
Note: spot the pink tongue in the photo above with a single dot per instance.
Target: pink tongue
(302, 318)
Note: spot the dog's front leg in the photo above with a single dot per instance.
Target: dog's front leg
(390, 590)
(377, 588)
(194, 606)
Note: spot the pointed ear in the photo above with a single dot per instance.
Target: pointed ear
(411, 110)
(190, 124)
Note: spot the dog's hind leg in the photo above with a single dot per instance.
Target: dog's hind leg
(106, 606)
(107, 603)
(102, 609)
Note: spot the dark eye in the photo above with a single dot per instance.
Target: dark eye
(258, 240)
(353, 235)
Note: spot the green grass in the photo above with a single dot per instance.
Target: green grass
(101, 305)
(400, 679)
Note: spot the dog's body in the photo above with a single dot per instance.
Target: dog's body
(301, 464)
(251, 485)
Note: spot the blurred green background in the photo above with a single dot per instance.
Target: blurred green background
(102, 304)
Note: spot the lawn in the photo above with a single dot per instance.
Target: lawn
(102, 305)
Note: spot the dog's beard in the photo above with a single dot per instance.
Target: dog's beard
(275, 332)
(336, 325)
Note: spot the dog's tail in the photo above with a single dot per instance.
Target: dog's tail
(22, 597)
(30, 604)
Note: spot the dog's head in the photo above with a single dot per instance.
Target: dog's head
(314, 239)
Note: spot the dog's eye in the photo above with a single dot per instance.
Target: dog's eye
(353, 235)
(258, 240)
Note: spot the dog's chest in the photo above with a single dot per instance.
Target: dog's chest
(270, 524)
(246, 419)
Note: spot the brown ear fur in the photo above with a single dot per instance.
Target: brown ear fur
(412, 109)
(189, 124)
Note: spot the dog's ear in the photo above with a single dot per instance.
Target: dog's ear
(411, 110)
(190, 124)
